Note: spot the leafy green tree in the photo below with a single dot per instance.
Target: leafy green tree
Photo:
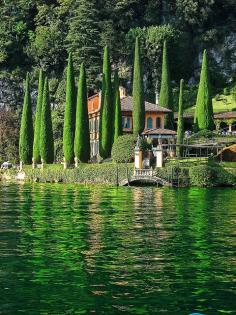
(117, 107)
(180, 129)
(46, 131)
(203, 118)
(26, 129)
(138, 97)
(82, 134)
(83, 38)
(106, 112)
(70, 113)
(166, 97)
(36, 146)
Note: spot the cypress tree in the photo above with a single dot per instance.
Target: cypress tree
(106, 112)
(70, 113)
(82, 134)
(36, 147)
(180, 129)
(138, 97)
(203, 118)
(46, 132)
(117, 107)
(26, 129)
(166, 97)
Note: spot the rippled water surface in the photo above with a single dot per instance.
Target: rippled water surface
(95, 250)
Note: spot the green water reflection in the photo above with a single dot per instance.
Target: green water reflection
(94, 250)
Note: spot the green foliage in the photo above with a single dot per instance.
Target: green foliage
(58, 122)
(201, 176)
(203, 118)
(70, 113)
(180, 129)
(106, 112)
(46, 131)
(82, 135)
(117, 107)
(123, 149)
(203, 134)
(83, 38)
(138, 97)
(26, 129)
(36, 146)
(85, 173)
(166, 97)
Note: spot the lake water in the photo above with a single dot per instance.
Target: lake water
(67, 249)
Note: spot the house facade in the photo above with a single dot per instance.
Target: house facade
(154, 117)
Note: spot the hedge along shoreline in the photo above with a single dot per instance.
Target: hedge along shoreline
(106, 173)
(204, 175)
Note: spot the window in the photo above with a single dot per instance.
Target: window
(158, 122)
(126, 122)
(149, 123)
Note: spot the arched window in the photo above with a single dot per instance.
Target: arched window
(158, 122)
(149, 123)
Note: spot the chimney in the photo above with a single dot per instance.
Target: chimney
(122, 92)
(157, 98)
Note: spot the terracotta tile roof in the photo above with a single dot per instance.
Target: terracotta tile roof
(127, 106)
(159, 131)
(225, 115)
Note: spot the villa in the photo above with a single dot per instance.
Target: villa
(154, 119)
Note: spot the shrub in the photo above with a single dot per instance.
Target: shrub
(204, 134)
(123, 149)
(201, 176)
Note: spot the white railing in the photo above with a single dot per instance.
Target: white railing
(143, 172)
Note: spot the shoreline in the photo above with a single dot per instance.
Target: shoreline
(173, 174)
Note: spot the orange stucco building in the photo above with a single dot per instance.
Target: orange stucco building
(154, 117)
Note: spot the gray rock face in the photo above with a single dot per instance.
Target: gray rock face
(12, 94)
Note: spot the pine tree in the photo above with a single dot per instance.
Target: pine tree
(138, 96)
(180, 130)
(83, 38)
(166, 97)
(203, 118)
(70, 113)
(82, 134)
(106, 112)
(117, 107)
(26, 129)
(46, 132)
(36, 147)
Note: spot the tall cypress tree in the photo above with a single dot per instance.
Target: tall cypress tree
(106, 112)
(166, 96)
(138, 94)
(82, 134)
(180, 129)
(203, 118)
(26, 129)
(117, 107)
(36, 147)
(46, 132)
(70, 113)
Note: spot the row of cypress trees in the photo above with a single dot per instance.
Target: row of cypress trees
(76, 137)
(36, 143)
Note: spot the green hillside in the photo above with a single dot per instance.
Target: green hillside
(221, 103)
